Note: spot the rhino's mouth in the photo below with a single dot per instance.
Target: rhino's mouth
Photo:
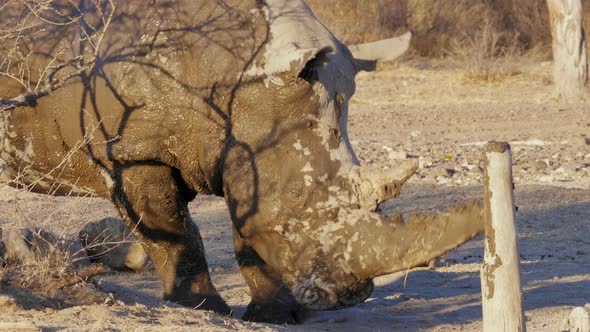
(318, 293)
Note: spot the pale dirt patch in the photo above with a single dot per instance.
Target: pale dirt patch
(422, 108)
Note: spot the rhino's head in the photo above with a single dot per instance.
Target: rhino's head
(296, 191)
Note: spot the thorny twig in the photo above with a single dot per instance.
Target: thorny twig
(82, 275)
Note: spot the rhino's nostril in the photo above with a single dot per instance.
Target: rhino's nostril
(309, 296)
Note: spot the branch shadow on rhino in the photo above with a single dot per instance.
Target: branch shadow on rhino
(155, 83)
(122, 168)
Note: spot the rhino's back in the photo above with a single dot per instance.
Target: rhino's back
(168, 86)
(162, 79)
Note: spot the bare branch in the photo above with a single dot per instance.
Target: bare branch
(20, 36)
(30, 98)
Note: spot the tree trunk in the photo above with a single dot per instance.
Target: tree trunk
(500, 272)
(569, 48)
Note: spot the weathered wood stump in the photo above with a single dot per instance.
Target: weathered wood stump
(500, 272)
(570, 55)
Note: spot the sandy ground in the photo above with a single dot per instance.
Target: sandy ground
(422, 110)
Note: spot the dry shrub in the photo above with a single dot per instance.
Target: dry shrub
(529, 19)
(40, 258)
(49, 273)
(488, 55)
(358, 21)
(438, 25)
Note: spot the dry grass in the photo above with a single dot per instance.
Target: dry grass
(38, 257)
(38, 271)
(488, 55)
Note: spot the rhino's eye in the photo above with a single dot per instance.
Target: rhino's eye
(339, 101)
(335, 132)
(334, 138)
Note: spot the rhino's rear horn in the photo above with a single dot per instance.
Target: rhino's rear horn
(367, 55)
(375, 186)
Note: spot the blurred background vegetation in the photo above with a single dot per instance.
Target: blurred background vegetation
(444, 27)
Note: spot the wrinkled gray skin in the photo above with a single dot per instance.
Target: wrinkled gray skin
(242, 99)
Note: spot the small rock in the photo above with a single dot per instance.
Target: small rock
(110, 300)
(547, 179)
(338, 319)
(442, 172)
(432, 264)
(425, 163)
(568, 167)
(532, 165)
(136, 258)
(110, 242)
(19, 326)
(540, 165)
(9, 304)
(18, 244)
(2, 250)
(476, 170)
(7, 174)
(398, 155)
(441, 180)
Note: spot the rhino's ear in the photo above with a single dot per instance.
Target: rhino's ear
(365, 65)
(305, 66)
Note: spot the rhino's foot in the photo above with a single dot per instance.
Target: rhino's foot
(202, 302)
(275, 312)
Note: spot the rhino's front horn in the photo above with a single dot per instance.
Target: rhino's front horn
(385, 245)
(374, 186)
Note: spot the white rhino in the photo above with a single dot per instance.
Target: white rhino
(245, 99)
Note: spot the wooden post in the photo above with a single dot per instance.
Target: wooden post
(578, 320)
(500, 272)
(570, 57)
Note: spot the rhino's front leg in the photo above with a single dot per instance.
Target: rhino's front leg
(272, 301)
(154, 202)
